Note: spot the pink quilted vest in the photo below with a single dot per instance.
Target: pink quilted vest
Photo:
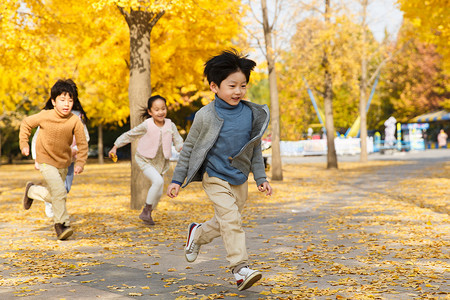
(148, 144)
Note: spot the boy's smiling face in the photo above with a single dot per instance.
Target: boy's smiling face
(232, 89)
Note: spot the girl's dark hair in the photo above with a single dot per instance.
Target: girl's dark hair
(145, 114)
(63, 86)
(221, 66)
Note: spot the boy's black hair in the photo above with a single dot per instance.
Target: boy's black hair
(221, 66)
(145, 114)
(66, 86)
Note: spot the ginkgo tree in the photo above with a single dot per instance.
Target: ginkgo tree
(89, 41)
(206, 24)
(69, 40)
(22, 58)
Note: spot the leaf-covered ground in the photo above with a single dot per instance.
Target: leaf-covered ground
(367, 231)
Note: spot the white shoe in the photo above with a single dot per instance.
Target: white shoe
(49, 210)
(191, 250)
(246, 277)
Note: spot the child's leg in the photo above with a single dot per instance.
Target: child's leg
(39, 192)
(228, 202)
(58, 194)
(156, 190)
(69, 177)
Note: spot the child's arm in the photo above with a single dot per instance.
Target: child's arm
(25, 131)
(181, 169)
(257, 164)
(82, 145)
(184, 161)
(127, 137)
(74, 143)
(176, 138)
(258, 170)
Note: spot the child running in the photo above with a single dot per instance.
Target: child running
(77, 110)
(58, 127)
(222, 147)
(154, 150)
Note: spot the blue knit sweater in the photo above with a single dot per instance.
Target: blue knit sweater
(235, 133)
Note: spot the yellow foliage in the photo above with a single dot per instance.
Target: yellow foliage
(88, 40)
(431, 21)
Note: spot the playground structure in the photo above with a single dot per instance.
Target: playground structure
(354, 130)
(349, 144)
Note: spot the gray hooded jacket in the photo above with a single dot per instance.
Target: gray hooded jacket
(204, 133)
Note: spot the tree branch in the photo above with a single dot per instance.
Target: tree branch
(156, 18)
(391, 55)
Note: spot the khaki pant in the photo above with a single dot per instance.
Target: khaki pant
(228, 201)
(55, 193)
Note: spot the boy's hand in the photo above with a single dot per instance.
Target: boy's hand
(265, 187)
(173, 189)
(77, 170)
(25, 151)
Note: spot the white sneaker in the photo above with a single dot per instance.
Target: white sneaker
(49, 210)
(191, 250)
(246, 277)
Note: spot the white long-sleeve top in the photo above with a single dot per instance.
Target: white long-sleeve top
(159, 162)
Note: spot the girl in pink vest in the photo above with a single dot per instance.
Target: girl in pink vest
(156, 135)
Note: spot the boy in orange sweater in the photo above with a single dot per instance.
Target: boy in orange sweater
(58, 126)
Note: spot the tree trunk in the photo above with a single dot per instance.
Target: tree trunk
(363, 88)
(0, 147)
(140, 24)
(328, 100)
(277, 170)
(100, 144)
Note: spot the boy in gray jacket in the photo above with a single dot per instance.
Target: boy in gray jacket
(222, 147)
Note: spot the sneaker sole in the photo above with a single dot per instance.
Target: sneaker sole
(187, 243)
(251, 280)
(148, 222)
(27, 202)
(66, 234)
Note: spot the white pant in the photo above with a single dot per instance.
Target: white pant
(156, 189)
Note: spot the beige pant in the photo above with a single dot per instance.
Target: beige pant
(228, 201)
(55, 193)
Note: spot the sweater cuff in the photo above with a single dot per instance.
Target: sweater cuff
(260, 181)
(177, 182)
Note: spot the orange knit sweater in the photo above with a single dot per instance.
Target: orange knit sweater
(55, 137)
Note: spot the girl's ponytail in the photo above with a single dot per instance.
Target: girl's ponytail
(145, 115)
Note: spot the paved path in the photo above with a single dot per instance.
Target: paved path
(301, 248)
